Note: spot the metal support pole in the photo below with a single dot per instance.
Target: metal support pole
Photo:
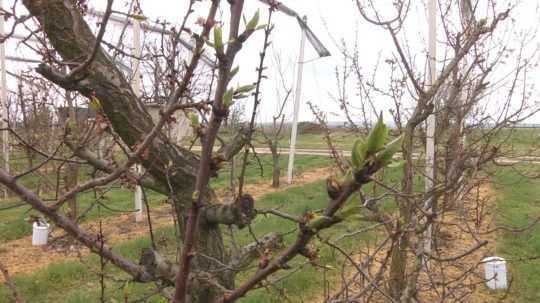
(209, 61)
(136, 84)
(297, 100)
(430, 131)
(4, 102)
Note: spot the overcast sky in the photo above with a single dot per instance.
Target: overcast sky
(332, 21)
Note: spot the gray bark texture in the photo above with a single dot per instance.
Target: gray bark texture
(73, 39)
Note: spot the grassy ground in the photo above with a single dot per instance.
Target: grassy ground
(13, 225)
(521, 141)
(254, 173)
(518, 205)
(342, 139)
(303, 285)
(77, 282)
(120, 199)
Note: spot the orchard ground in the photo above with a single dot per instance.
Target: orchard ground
(76, 279)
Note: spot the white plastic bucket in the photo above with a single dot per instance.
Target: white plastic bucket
(495, 272)
(40, 234)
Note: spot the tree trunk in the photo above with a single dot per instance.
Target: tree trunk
(276, 169)
(71, 176)
(167, 163)
(398, 265)
(399, 259)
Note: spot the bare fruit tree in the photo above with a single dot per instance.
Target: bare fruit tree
(470, 140)
(79, 61)
(76, 60)
(273, 132)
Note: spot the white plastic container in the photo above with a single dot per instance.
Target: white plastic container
(495, 272)
(40, 234)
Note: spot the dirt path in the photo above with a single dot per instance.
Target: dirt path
(460, 231)
(463, 230)
(19, 256)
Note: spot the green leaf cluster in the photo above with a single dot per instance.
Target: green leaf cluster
(236, 93)
(218, 39)
(194, 120)
(373, 149)
(252, 24)
(94, 103)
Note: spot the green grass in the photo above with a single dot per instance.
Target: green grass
(522, 141)
(13, 226)
(518, 205)
(254, 173)
(516, 141)
(76, 282)
(342, 140)
(303, 284)
(513, 141)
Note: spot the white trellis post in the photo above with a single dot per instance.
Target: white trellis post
(431, 120)
(321, 51)
(4, 102)
(136, 84)
(297, 100)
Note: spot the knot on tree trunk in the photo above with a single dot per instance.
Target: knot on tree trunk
(240, 212)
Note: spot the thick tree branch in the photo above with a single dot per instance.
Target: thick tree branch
(158, 266)
(103, 165)
(307, 231)
(250, 252)
(73, 229)
(71, 37)
(74, 74)
(240, 212)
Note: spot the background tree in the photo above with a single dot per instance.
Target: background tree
(460, 98)
(273, 133)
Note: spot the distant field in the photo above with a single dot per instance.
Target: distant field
(516, 141)
(521, 141)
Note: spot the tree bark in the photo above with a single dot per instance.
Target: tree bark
(167, 163)
(276, 169)
(72, 169)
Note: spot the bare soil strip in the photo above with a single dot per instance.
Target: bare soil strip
(460, 231)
